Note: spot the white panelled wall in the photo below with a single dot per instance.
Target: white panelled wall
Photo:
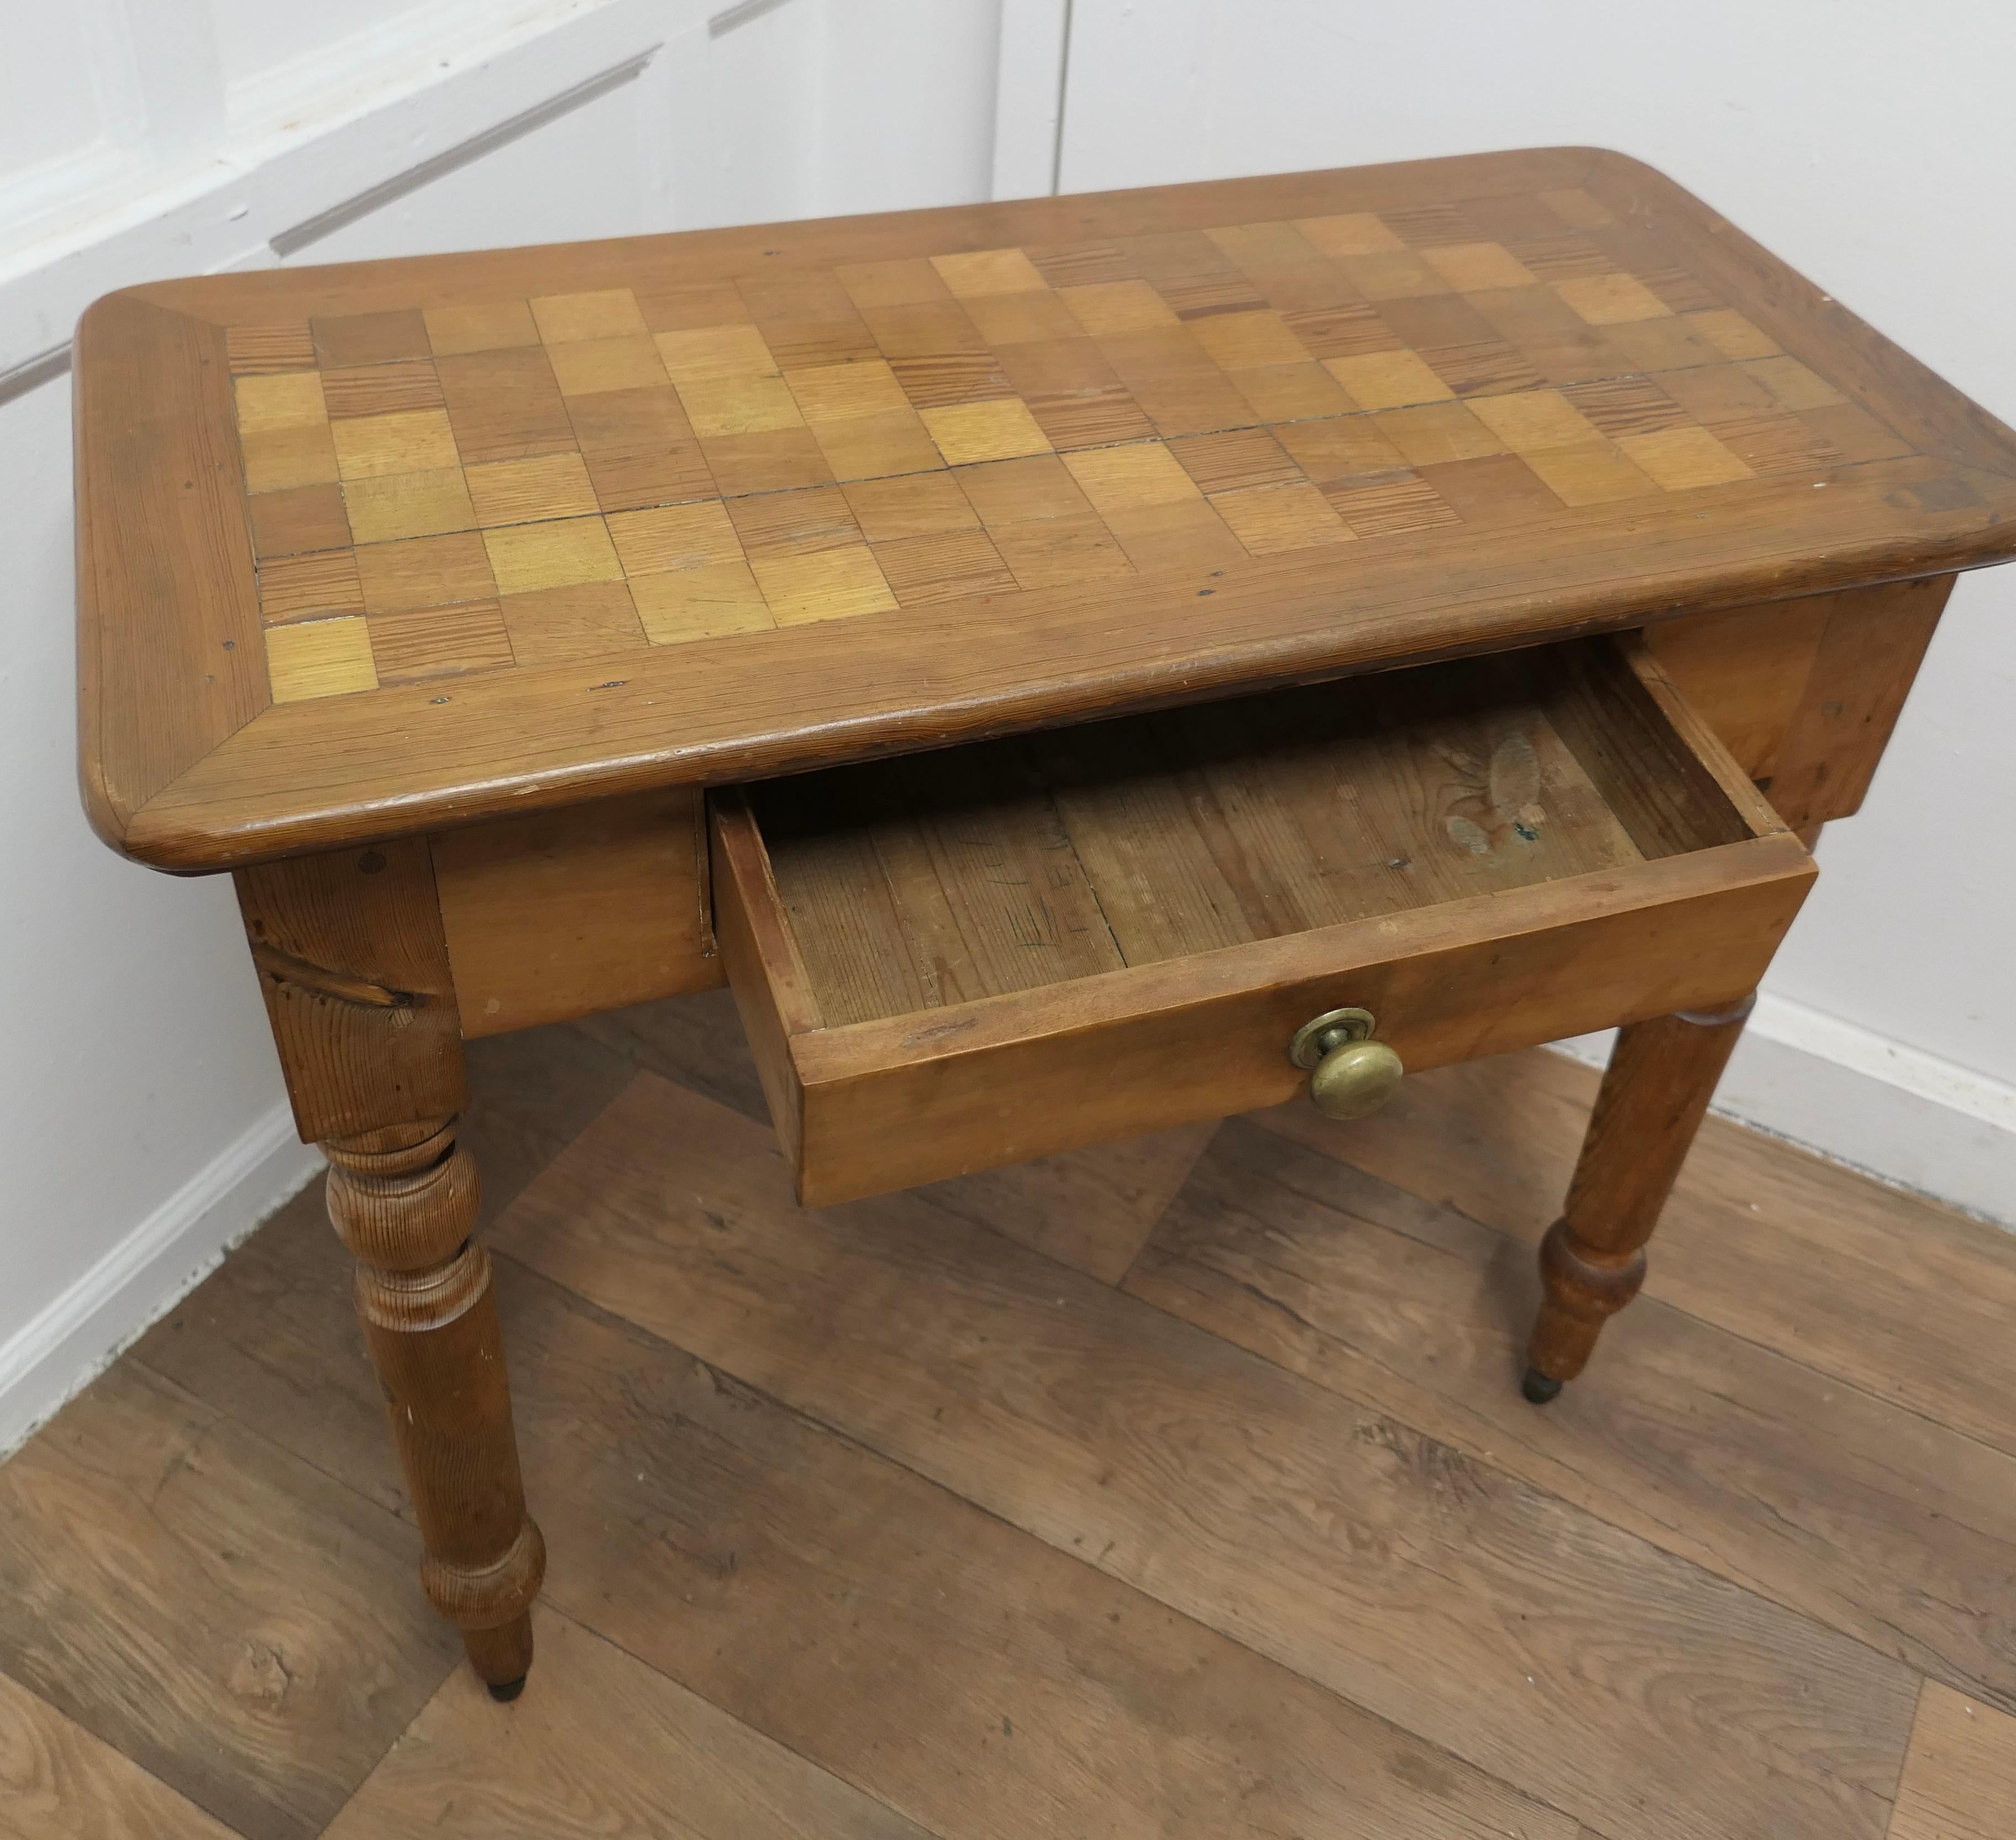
(141, 1122)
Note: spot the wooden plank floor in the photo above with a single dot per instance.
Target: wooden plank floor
(1177, 1490)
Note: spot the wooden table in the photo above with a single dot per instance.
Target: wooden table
(1042, 656)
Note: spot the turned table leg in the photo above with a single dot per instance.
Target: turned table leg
(1655, 1093)
(355, 975)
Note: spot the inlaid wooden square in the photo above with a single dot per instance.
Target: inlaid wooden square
(278, 458)
(593, 365)
(408, 505)
(558, 623)
(525, 491)
(370, 338)
(674, 537)
(415, 572)
(424, 643)
(1001, 430)
(492, 326)
(300, 518)
(526, 557)
(319, 658)
(414, 441)
(317, 585)
(826, 585)
(609, 313)
(711, 602)
(1268, 519)
(493, 484)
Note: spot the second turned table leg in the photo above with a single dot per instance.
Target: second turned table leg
(1655, 1093)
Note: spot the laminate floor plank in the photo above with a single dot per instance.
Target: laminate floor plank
(245, 1628)
(1959, 1777)
(606, 1746)
(1628, 1687)
(59, 1782)
(1784, 1249)
(867, 1618)
(1824, 1498)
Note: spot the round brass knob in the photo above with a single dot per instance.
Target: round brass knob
(1350, 1075)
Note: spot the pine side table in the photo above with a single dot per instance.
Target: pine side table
(1072, 667)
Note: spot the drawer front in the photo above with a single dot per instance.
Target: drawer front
(869, 1105)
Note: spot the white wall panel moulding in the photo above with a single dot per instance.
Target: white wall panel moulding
(388, 104)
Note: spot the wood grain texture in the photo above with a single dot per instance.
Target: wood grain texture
(359, 987)
(881, 1628)
(1861, 1514)
(559, 916)
(1745, 671)
(1800, 1256)
(557, 1764)
(1432, 1622)
(1959, 1775)
(1667, 395)
(58, 1782)
(241, 1627)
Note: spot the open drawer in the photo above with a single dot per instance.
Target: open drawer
(967, 958)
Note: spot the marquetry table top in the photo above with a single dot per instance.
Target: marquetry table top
(378, 547)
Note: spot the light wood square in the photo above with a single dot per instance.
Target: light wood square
(1734, 336)
(526, 557)
(1023, 318)
(319, 658)
(827, 585)
(408, 505)
(1679, 457)
(1589, 475)
(872, 447)
(1245, 341)
(300, 586)
(1339, 448)
(1393, 275)
(970, 432)
(424, 572)
(590, 365)
(1791, 385)
(1118, 479)
(422, 643)
(524, 491)
(453, 330)
(575, 620)
(1389, 379)
(1437, 433)
(700, 535)
(1356, 233)
(1268, 519)
(1611, 300)
(1291, 392)
(416, 440)
(707, 353)
(921, 505)
(610, 313)
(1260, 249)
(292, 399)
(989, 271)
(1572, 205)
(277, 459)
(1471, 267)
(708, 603)
(892, 284)
(836, 392)
(1103, 307)
(1534, 420)
(739, 404)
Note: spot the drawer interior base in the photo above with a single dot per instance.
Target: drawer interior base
(933, 880)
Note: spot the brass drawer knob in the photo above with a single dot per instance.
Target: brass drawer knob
(1350, 1075)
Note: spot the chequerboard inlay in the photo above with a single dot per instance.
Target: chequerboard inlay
(468, 489)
